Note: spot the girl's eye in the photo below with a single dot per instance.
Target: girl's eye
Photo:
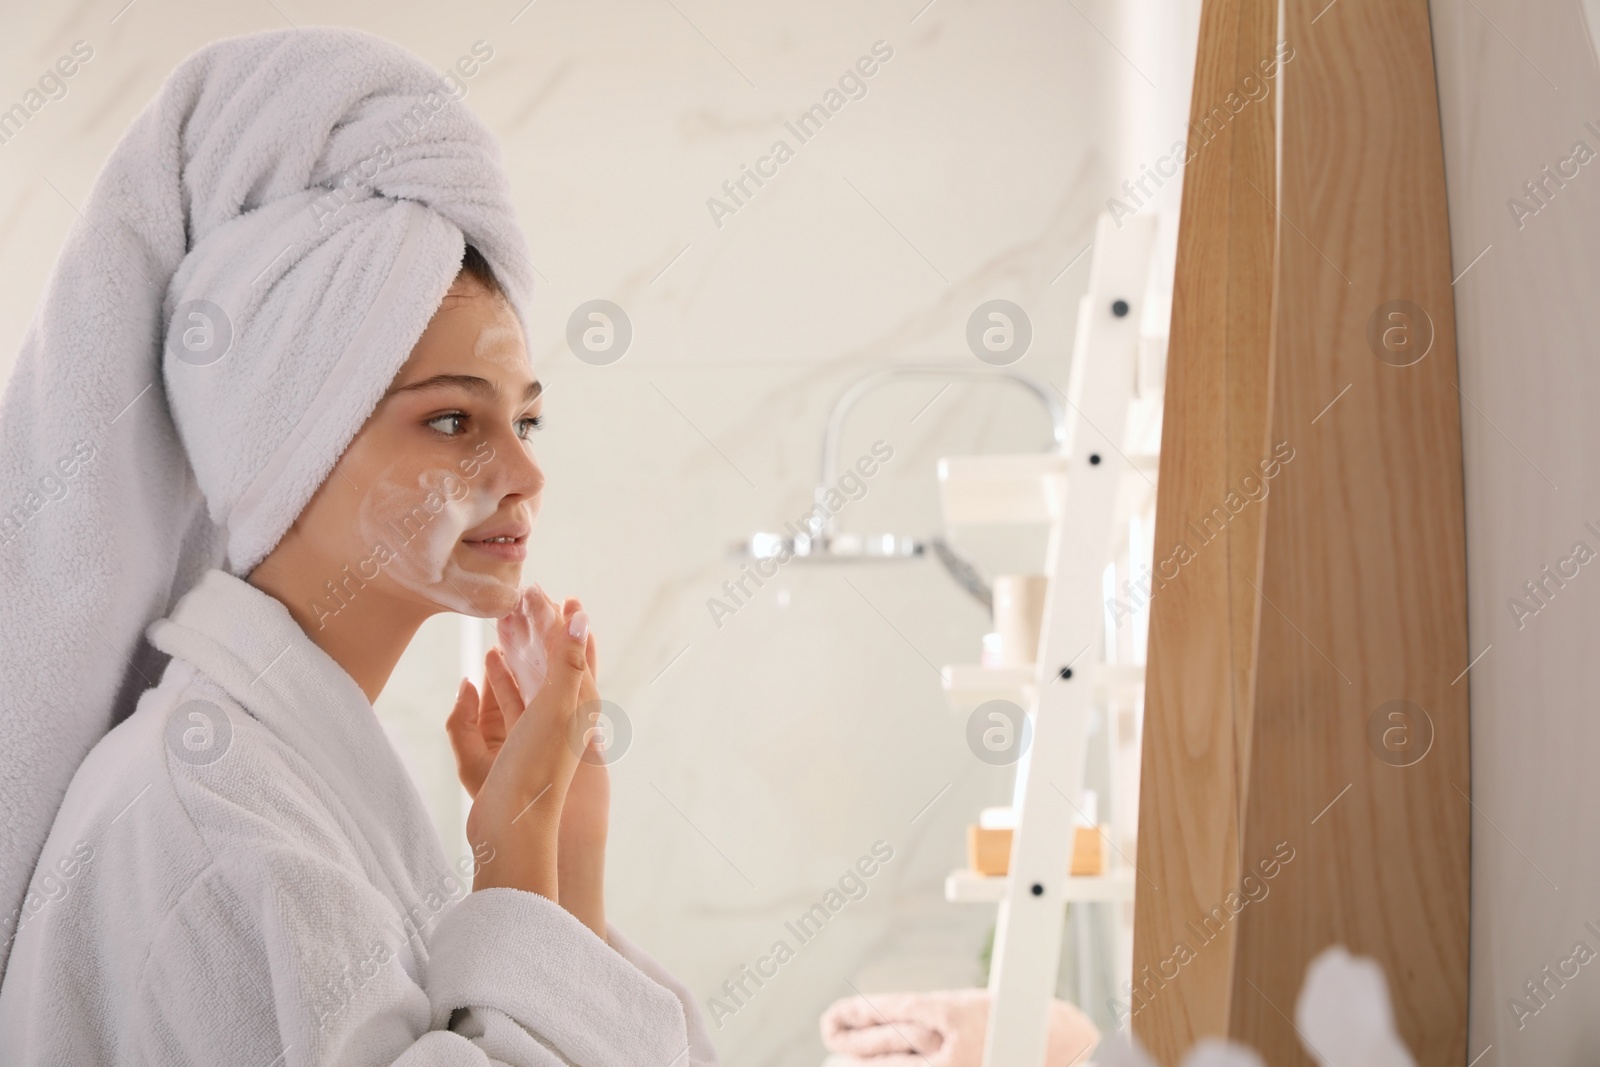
(454, 417)
(450, 424)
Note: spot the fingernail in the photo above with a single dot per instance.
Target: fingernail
(579, 627)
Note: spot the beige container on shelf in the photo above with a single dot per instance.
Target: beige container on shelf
(1018, 616)
(989, 851)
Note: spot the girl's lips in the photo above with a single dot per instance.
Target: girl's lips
(513, 551)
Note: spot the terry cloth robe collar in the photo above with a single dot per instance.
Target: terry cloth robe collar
(246, 641)
(531, 977)
(517, 963)
(232, 865)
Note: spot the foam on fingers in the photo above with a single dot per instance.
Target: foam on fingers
(524, 637)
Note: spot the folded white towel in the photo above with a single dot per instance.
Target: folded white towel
(945, 1028)
(258, 257)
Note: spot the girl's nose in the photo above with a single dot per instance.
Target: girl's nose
(522, 473)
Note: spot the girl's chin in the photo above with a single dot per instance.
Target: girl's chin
(487, 604)
(491, 593)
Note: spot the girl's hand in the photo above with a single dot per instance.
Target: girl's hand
(524, 634)
(585, 817)
(581, 847)
(476, 726)
(479, 725)
(530, 756)
(514, 673)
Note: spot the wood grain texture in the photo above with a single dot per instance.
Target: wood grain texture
(1344, 587)
(1198, 680)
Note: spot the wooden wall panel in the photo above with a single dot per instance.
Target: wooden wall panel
(1342, 590)
(1198, 708)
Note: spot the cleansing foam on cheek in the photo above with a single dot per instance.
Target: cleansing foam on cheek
(422, 518)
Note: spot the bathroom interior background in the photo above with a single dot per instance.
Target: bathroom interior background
(771, 751)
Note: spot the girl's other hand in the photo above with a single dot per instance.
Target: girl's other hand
(518, 805)
(586, 816)
(517, 667)
(476, 726)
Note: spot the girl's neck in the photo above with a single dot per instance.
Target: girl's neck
(361, 629)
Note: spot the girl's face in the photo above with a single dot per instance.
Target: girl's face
(432, 502)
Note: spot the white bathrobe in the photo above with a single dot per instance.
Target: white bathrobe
(243, 873)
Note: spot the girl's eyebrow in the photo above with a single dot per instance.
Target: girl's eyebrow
(470, 382)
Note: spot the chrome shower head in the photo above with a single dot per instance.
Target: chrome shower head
(835, 548)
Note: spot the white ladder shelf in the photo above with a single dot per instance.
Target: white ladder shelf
(1069, 675)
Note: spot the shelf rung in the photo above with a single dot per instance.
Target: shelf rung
(967, 685)
(969, 887)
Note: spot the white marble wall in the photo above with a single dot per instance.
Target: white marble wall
(773, 751)
(1519, 85)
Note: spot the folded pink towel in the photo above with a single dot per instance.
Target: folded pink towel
(940, 1029)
